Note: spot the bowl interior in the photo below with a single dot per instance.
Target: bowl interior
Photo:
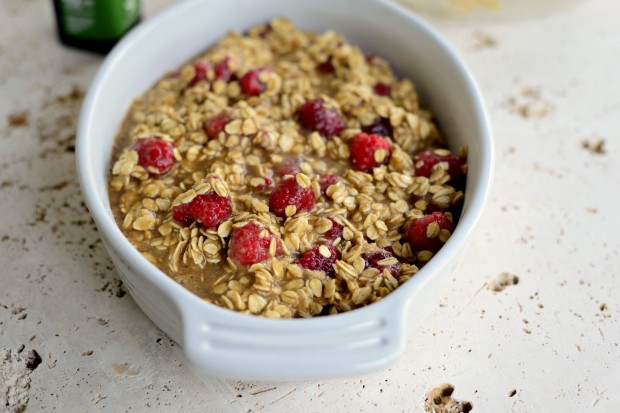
(166, 41)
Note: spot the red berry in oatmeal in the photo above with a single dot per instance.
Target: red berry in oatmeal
(327, 180)
(209, 208)
(222, 71)
(429, 232)
(315, 115)
(251, 84)
(369, 151)
(251, 244)
(425, 203)
(335, 231)
(290, 198)
(425, 162)
(267, 183)
(201, 68)
(326, 66)
(216, 124)
(288, 167)
(155, 155)
(382, 89)
(182, 214)
(382, 260)
(321, 258)
(381, 126)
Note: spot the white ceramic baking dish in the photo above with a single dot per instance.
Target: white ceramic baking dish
(221, 342)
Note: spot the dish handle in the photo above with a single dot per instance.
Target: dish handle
(218, 342)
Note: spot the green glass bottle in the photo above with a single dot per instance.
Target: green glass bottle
(95, 25)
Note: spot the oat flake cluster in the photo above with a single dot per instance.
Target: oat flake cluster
(285, 174)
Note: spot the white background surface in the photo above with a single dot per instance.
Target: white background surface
(552, 221)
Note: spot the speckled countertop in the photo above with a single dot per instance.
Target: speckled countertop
(547, 343)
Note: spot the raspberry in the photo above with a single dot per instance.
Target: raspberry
(155, 155)
(181, 213)
(251, 84)
(421, 238)
(372, 261)
(221, 70)
(316, 116)
(209, 208)
(425, 161)
(288, 192)
(288, 167)
(214, 125)
(369, 151)
(335, 231)
(250, 244)
(428, 205)
(200, 72)
(381, 126)
(326, 180)
(316, 259)
(382, 89)
(327, 66)
(268, 184)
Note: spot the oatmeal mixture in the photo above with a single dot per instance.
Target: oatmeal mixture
(285, 174)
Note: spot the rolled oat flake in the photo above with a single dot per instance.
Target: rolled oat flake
(95, 25)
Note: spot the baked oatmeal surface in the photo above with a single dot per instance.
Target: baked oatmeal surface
(284, 173)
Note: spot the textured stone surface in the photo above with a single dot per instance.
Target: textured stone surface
(551, 341)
